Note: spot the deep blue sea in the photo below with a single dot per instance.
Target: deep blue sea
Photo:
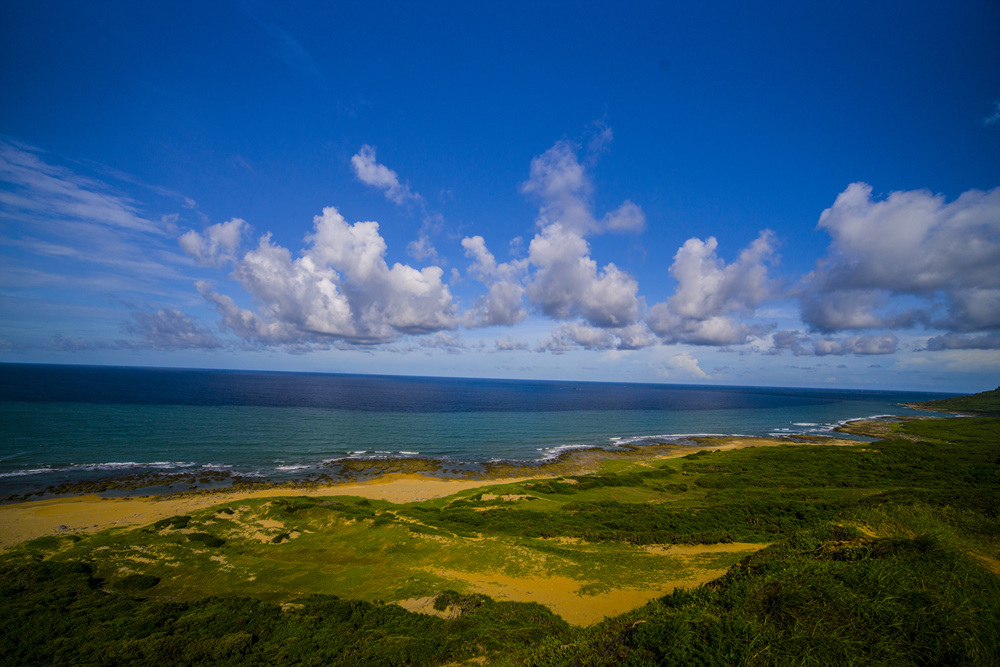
(69, 423)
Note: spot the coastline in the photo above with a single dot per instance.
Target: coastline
(90, 513)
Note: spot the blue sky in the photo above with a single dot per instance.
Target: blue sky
(719, 193)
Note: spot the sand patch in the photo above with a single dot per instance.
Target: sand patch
(699, 549)
(578, 602)
(425, 605)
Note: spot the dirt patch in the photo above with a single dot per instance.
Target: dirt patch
(578, 602)
(699, 549)
(991, 564)
(426, 606)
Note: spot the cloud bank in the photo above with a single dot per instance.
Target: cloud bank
(906, 262)
(944, 255)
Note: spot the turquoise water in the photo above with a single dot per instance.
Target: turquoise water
(66, 423)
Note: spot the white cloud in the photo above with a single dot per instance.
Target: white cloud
(370, 172)
(566, 193)
(989, 341)
(567, 282)
(218, 244)
(247, 324)
(794, 341)
(627, 218)
(571, 335)
(501, 305)
(507, 344)
(42, 189)
(339, 288)
(448, 342)
(709, 292)
(885, 343)
(686, 365)
(169, 329)
(800, 343)
(422, 249)
(559, 277)
(911, 243)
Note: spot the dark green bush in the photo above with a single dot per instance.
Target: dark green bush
(135, 583)
(206, 539)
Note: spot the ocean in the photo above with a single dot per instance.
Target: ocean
(70, 424)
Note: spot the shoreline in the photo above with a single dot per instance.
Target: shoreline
(89, 513)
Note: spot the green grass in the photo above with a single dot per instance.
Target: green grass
(881, 553)
(986, 402)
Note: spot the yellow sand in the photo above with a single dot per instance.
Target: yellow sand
(563, 594)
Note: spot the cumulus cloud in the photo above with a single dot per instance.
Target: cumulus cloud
(800, 343)
(218, 244)
(370, 172)
(686, 365)
(566, 282)
(885, 343)
(572, 335)
(627, 218)
(502, 304)
(507, 344)
(710, 292)
(951, 341)
(913, 243)
(340, 288)
(448, 342)
(169, 329)
(793, 341)
(560, 181)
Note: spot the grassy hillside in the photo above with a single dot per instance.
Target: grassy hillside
(880, 553)
(983, 403)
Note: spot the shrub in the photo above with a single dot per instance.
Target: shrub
(135, 583)
(206, 539)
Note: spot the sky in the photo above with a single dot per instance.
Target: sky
(726, 193)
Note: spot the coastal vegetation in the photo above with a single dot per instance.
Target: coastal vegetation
(875, 552)
(983, 403)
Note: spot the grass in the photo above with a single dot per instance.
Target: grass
(984, 403)
(881, 553)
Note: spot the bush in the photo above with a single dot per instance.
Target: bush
(135, 583)
(206, 539)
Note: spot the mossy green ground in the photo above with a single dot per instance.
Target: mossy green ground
(280, 549)
(882, 553)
